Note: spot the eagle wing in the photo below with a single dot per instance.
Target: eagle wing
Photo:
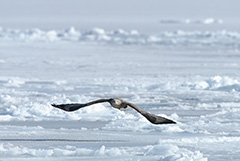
(151, 117)
(76, 106)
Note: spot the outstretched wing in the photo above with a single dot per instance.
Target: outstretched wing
(69, 107)
(152, 118)
(76, 106)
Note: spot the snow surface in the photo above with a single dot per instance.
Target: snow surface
(177, 65)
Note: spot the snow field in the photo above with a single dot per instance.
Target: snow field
(176, 59)
(195, 86)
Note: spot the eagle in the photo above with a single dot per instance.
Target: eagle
(118, 104)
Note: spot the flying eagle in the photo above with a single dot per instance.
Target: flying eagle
(119, 104)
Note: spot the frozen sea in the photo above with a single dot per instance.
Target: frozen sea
(180, 60)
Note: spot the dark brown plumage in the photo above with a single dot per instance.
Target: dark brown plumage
(119, 104)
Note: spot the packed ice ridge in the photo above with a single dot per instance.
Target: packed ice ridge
(165, 151)
(192, 21)
(224, 83)
(99, 35)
